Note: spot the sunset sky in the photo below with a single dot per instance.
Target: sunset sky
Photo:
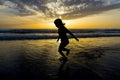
(40, 14)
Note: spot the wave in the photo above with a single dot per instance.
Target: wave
(52, 34)
(25, 31)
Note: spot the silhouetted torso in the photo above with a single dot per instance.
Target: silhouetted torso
(62, 34)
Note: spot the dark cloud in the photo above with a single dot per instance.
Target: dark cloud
(77, 2)
(68, 9)
(1, 2)
(90, 11)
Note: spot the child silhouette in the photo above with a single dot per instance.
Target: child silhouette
(64, 39)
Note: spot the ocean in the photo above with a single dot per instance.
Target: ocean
(23, 34)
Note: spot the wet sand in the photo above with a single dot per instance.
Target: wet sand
(90, 58)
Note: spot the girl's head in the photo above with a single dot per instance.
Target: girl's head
(58, 23)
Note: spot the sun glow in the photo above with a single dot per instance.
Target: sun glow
(60, 12)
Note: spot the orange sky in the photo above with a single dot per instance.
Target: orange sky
(109, 19)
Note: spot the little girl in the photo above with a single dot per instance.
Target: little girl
(64, 39)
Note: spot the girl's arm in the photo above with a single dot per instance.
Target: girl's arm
(72, 34)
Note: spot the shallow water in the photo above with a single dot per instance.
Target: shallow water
(96, 58)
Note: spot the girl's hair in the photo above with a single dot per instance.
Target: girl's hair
(58, 23)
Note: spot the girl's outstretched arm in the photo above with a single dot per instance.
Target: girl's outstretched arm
(72, 34)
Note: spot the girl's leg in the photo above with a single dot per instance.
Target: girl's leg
(68, 50)
(61, 47)
(65, 49)
(62, 54)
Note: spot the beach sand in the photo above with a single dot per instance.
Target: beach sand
(90, 58)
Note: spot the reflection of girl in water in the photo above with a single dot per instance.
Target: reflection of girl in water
(64, 39)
